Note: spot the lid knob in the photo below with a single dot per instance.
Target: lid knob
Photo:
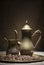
(26, 21)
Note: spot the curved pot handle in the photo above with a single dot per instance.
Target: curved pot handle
(37, 31)
(16, 33)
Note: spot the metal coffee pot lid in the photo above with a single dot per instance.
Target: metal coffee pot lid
(26, 26)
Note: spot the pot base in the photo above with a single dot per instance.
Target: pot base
(26, 52)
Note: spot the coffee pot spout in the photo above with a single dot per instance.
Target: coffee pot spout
(36, 32)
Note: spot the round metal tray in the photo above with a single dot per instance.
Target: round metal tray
(41, 58)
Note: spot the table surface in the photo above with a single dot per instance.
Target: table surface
(34, 63)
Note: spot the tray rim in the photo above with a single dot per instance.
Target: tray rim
(30, 61)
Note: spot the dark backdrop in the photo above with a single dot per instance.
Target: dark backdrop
(13, 15)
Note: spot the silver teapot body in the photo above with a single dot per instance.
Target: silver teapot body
(26, 44)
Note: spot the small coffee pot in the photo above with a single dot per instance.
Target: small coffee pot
(26, 44)
(12, 45)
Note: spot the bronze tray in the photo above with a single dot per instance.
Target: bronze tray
(22, 61)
